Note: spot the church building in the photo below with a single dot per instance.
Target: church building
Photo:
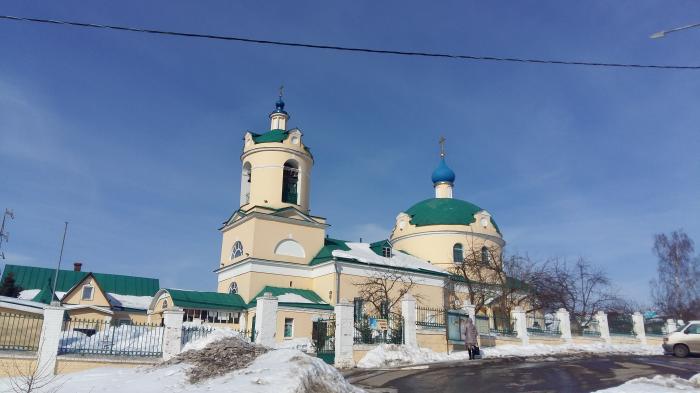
(272, 243)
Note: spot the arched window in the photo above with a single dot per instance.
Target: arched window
(290, 182)
(457, 253)
(246, 177)
(485, 257)
(237, 250)
(233, 288)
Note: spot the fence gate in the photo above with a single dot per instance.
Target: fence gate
(323, 334)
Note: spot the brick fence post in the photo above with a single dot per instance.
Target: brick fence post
(638, 327)
(344, 334)
(518, 315)
(172, 334)
(602, 319)
(408, 312)
(564, 324)
(49, 341)
(266, 320)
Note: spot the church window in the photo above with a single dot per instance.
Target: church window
(233, 288)
(386, 252)
(290, 182)
(87, 292)
(165, 304)
(237, 250)
(457, 253)
(485, 257)
(288, 327)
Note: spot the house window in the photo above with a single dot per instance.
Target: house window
(87, 292)
(485, 255)
(457, 253)
(386, 252)
(290, 182)
(233, 288)
(288, 327)
(358, 303)
(237, 250)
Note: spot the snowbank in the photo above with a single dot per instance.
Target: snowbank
(279, 371)
(658, 384)
(215, 335)
(124, 338)
(399, 355)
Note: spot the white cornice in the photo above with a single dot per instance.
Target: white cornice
(492, 238)
(271, 217)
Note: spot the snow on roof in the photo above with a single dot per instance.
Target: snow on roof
(362, 253)
(293, 298)
(28, 294)
(130, 301)
(21, 304)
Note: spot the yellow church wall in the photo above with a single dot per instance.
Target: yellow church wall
(433, 339)
(251, 283)
(426, 295)
(133, 316)
(310, 238)
(17, 365)
(75, 296)
(302, 325)
(243, 232)
(324, 286)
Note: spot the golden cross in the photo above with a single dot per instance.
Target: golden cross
(281, 90)
(442, 146)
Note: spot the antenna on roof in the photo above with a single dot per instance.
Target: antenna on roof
(60, 257)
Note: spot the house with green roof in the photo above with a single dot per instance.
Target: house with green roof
(86, 295)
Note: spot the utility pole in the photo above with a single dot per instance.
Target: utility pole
(60, 257)
(5, 235)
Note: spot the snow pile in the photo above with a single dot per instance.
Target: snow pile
(658, 384)
(215, 335)
(303, 344)
(129, 301)
(388, 355)
(362, 253)
(122, 338)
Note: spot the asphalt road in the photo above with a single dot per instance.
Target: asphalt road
(543, 374)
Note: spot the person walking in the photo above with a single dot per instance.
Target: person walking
(470, 338)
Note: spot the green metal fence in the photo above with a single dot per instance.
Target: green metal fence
(194, 333)
(95, 337)
(539, 325)
(20, 332)
(585, 329)
(375, 330)
(503, 325)
(621, 325)
(430, 317)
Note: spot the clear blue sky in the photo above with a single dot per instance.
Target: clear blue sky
(135, 139)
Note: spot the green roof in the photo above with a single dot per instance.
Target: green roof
(326, 252)
(378, 247)
(270, 136)
(443, 211)
(205, 300)
(30, 277)
(314, 300)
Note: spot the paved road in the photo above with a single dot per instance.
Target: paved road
(551, 374)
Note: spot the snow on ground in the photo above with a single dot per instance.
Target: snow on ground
(362, 253)
(303, 344)
(388, 355)
(120, 338)
(658, 384)
(279, 371)
(215, 335)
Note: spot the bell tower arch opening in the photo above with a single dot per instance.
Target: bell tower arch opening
(290, 182)
(246, 178)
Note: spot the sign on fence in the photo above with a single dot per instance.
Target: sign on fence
(379, 324)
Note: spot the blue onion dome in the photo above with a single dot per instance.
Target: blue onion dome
(443, 173)
(279, 107)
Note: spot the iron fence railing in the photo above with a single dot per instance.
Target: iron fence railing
(483, 326)
(194, 333)
(587, 329)
(95, 337)
(503, 325)
(621, 325)
(20, 332)
(375, 330)
(430, 317)
(541, 325)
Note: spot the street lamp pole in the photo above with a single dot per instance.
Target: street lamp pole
(661, 34)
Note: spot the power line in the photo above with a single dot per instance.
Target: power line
(350, 49)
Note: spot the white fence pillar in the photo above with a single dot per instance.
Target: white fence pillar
(518, 316)
(243, 322)
(670, 326)
(345, 333)
(638, 327)
(172, 334)
(266, 320)
(602, 319)
(408, 312)
(48, 342)
(564, 324)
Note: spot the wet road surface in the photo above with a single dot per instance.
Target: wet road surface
(543, 374)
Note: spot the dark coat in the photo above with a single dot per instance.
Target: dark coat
(470, 333)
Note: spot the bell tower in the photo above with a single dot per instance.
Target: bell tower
(276, 166)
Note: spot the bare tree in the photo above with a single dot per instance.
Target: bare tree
(384, 289)
(675, 290)
(28, 377)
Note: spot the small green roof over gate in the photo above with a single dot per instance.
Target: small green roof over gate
(31, 277)
(311, 298)
(206, 300)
